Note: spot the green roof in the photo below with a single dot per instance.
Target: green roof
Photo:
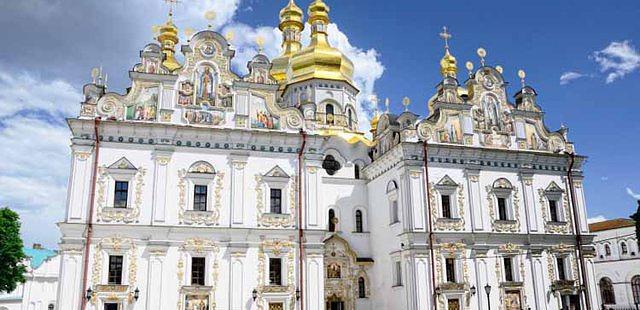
(38, 256)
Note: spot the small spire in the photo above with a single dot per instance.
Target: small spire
(406, 102)
(387, 102)
(482, 53)
(210, 15)
(469, 66)
(448, 63)
(188, 32)
(260, 43)
(446, 36)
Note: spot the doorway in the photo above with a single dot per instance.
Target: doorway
(335, 305)
(453, 304)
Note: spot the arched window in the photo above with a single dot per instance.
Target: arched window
(356, 171)
(607, 250)
(359, 227)
(606, 291)
(635, 287)
(330, 116)
(332, 220)
(392, 188)
(362, 288)
(50, 307)
(623, 248)
(350, 118)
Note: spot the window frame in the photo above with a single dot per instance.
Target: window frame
(203, 277)
(362, 287)
(197, 203)
(397, 273)
(274, 274)
(117, 191)
(446, 208)
(508, 269)
(117, 275)
(607, 291)
(561, 268)
(275, 209)
(450, 269)
(358, 221)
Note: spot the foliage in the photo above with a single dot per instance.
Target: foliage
(636, 217)
(12, 256)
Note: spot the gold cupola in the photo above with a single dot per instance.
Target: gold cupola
(319, 60)
(291, 25)
(448, 63)
(168, 38)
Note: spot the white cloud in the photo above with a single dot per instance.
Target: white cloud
(225, 11)
(617, 60)
(34, 140)
(604, 179)
(569, 77)
(633, 194)
(599, 218)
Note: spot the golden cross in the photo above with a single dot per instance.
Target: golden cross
(406, 102)
(171, 4)
(446, 36)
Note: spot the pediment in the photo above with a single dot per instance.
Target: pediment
(447, 181)
(277, 172)
(122, 164)
(554, 188)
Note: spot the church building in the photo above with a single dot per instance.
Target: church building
(201, 189)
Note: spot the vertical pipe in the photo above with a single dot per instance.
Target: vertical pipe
(426, 186)
(87, 247)
(300, 229)
(572, 158)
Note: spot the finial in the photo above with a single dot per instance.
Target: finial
(406, 101)
(210, 15)
(95, 72)
(188, 32)
(499, 69)
(446, 36)
(229, 36)
(522, 75)
(482, 53)
(260, 43)
(374, 99)
(387, 102)
(172, 4)
(469, 66)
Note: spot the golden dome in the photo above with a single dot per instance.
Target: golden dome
(319, 60)
(168, 38)
(374, 121)
(448, 65)
(291, 25)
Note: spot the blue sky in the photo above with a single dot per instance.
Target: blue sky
(49, 47)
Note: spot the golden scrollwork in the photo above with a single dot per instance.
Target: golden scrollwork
(110, 214)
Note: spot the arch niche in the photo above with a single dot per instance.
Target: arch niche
(342, 271)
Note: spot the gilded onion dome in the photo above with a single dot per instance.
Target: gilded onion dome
(320, 60)
(374, 122)
(448, 65)
(168, 38)
(291, 25)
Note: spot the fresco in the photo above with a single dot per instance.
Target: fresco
(200, 117)
(207, 80)
(260, 117)
(145, 107)
(452, 131)
(185, 93)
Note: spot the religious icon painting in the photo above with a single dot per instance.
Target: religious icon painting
(260, 117)
(209, 118)
(452, 132)
(185, 93)
(206, 79)
(145, 106)
(207, 49)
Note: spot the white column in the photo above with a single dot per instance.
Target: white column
(581, 205)
(416, 199)
(475, 199)
(313, 214)
(155, 279)
(162, 159)
(529, 201)
(70, 281)
(79, 182)
(480, 264)
(237, 162)
(314, 280)
(422, 278)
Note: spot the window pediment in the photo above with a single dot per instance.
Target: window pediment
(553, 188)
(446, 183)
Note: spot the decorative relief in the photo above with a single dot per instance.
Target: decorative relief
(455, 224)
(504, 226)
(208, 218)
(82, 156)
(199, 246)
(269, 220)
(109, 214)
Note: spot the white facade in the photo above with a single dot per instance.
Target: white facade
(617, 264)
(41, 286)
(199, 197)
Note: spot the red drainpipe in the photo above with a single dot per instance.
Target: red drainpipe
(572, 158)
(426, 186)
(300, 229)
(85, 259)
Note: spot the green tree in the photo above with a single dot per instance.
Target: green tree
(636, 217)
(12, 256)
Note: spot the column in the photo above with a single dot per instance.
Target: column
(161, 159)
(314, 282)
(581, 205)
(238, 188)
(79, 182)
(475, 199)
(154, 293)
(528, 199)
(415, 199)
(70, 281)
(313, 216)
(480, 265)
(237, 288)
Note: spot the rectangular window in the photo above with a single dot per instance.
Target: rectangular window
(397, 273)
(451, 270)
(446, 206)
(562, 274)
(200, 198)
(394, 211)
(276, 200)
(553, 210)
(115, 269)
(275, 271)
(508, 269)
(198, 270)
(110, 306)
(121, 194)
(502, 209)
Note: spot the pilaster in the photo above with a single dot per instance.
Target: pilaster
(161, 158)
(237, 207)
(529, 201)
(475, 199)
